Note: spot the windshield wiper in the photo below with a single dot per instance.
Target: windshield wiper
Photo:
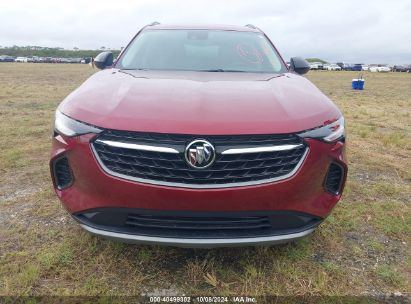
(222, 70)
(138, 69)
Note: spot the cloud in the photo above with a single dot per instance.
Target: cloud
(353, 31)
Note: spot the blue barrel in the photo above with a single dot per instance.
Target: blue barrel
(357, 84)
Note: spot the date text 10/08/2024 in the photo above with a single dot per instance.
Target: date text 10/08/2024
(202, 299)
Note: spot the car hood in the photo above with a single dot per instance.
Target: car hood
(208, 103)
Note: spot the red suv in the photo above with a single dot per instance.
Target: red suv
(199, 136)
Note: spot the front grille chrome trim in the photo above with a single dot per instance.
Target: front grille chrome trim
(199, 186)
(261, 149)
(137, 146)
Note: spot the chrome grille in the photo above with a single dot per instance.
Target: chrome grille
(183, 139)
(158, 167)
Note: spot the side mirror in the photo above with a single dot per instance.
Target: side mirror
(103, 60)
(299, 65)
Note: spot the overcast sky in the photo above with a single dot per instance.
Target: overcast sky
(371, 31)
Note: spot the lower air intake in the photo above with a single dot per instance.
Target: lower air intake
(62, 173)
(185, 224)
(334, 179)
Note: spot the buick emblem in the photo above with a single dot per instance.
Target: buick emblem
(200, 154)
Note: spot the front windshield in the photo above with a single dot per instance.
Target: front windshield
(201, 50)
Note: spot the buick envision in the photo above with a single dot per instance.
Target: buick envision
(199, 136)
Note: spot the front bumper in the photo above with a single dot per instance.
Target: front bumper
(198, 243)
(303, 192)
(197, 229)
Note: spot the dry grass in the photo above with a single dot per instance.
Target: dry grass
(362, 248)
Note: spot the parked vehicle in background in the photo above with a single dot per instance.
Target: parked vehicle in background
(380, 68)
(347, 67)
(357, 67)
(365, 67)
(85, 60)
(373, 69)
(384, 68)
(37, 59)
(6, 58)
(21, 59)
(399, 68)
(333, 67)
(316, 66)
(342, 65)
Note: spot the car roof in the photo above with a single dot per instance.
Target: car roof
(203, 27)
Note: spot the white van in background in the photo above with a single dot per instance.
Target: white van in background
(21, 59)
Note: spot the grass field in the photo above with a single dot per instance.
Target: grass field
(363, 248)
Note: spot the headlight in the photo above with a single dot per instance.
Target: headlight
(329, 133)
(67, 126)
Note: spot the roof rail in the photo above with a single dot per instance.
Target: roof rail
(153, 23)
(253, 27)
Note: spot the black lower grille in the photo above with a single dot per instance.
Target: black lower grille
(334, 178)
(197, 224)
(173, 168)
(62, 173)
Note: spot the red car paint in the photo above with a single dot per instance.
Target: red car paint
(198, 103)
(93, 188)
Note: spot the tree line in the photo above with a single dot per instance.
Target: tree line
(51, 52)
